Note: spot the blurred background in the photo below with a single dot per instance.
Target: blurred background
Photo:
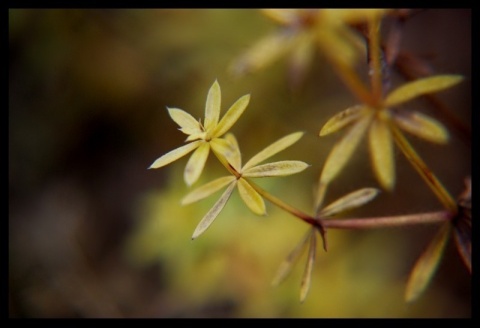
(93, 233)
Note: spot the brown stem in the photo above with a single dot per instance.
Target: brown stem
(387, 221)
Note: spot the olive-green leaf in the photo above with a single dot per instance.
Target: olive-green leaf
(175, 154)
(275, 169)
(421, 87)
(214, 211)
(207, 189)
(427, 264)
(307, 275)
(422, 126)
(349, 201)
(274, 148)
(342, 119)
(381, 153)
(251, 197)
(343, 150)
(196, 164)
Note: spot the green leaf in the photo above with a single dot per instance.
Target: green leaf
(251, 197)
(212, 107)
(307, 275)
(287, 265)
(273, 149)
(342, 119)
(422, 126)
(275, 169)
(231, 116)
(343, 150)
(421, 87)
(427, 264)
(188, 124)
(381, 153)
(349, 201)
(175, 154)
(207, 189)
(213, 212)
(196, 164)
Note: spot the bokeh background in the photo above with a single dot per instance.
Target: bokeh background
(93, 233)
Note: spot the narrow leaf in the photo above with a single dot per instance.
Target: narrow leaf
(212, 107)
(231, 116)
(349, 201)
(336, 47)
(275, 169)
(175, 154)
(319, 195)
(282, 16)
(206, 190)
(188, 124)
(213, 212)
(287, 265)
(422, 126)
(262, 53)
(421, 87)
(381, 153)
(235, 156)
(274, 148)
(224, 149)
(196, 163)
(463, 240)
(341, 120)
(307, 275)
(427, 264)
(251, 197)
(343, 150)
(301, 59)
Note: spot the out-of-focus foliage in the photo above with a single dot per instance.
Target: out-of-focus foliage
(93, 233)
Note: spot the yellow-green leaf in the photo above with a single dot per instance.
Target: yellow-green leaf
(274, 148)
(342, 119)
(175, 154)
(349, 201)
(235, 158)
(251, 197)
(381, 153)
(427, 264)
(319, 195)
(287, 265)
(231, 116)
(307, 275)
(196, 163)
(212, 107)
(188, 124)
(338, 48)
(207, 189)
(422, 126)
(262, 53)
(214, 211)
(421, 87)
(343, 150)
(275, 169)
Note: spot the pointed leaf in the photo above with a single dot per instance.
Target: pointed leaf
(275, 169)
(231, 116)
(212, 107)
(206, 190)
(342, 119)
(336, 46)
(422, 126)
(463, 240)
(307, 275)
(421, 87)
(274, 148)
(343, 150)
(214, 211)
(251, 197)
(381, 153)
(427, 264)
(196, 163)
(188, 124)
(319, 196)
(235, 156)
(282, 16)
(287, 265)
(175, 154)
(262, 53)
(349, 201)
